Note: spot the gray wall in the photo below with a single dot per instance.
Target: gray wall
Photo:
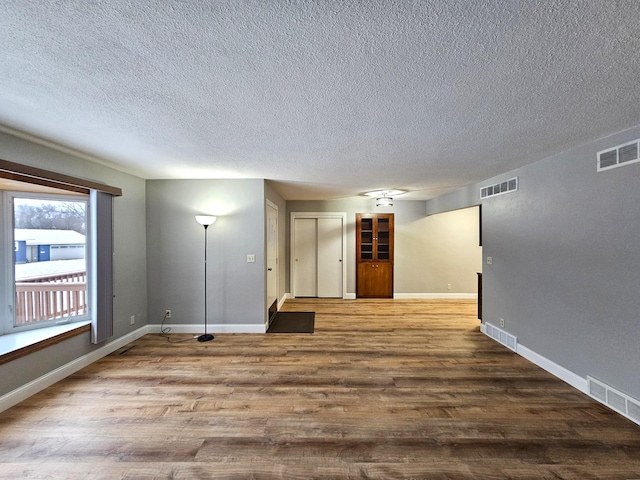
(448, 251)
(566, 261)
(130, 267)
(175, 251)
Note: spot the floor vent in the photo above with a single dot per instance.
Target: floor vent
(501, 336)
(614, 399)
(618, 156)
(507, 186)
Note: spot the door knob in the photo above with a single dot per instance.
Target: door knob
(269, 268)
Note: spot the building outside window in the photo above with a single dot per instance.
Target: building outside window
(48, 281)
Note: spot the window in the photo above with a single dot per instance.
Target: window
(49, 284)
(98, 245)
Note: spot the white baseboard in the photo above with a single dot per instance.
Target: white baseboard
(25, 391)
(283, 299)
(199, 329)
(453, 296)
(460, 296)
(347, 296)
(576, 381)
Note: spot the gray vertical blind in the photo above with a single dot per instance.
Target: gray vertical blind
(102, 261)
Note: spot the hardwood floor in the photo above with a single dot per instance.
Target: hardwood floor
(382, 389)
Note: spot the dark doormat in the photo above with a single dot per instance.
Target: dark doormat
(292, 322)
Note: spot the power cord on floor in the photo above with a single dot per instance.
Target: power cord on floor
(164, 332)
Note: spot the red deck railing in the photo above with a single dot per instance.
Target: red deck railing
(51, 297)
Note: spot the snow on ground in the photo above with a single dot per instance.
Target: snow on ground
(26, 271)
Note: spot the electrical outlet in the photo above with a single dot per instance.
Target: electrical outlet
(489, 260)
(132, 320)
(502, 322)
(167, 314)
(251, 258)
(448, 286)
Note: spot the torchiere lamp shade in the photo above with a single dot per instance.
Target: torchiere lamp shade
(205, 220)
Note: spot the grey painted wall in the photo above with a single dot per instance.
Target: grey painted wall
(448, 244)
(175, 251)
(417, 267)
(130, 269)
(566, 261)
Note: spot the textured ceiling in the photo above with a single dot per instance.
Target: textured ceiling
(327, 98)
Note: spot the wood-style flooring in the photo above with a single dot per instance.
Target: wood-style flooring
(383, 389)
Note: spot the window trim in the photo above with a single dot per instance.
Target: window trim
(9, 197)
(102, 327)
(47, 178)
(20, 344)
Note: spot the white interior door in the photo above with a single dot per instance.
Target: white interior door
(330, 257)
(305, 271)
(272, 254)
(317, 266)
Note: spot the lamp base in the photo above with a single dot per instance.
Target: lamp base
(205, 338)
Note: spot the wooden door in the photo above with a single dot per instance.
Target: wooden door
(375, 280)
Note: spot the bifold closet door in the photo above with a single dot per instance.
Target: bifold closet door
(330, 257)
(317, 257)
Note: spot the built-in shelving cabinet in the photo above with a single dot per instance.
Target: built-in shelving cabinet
(374, 255)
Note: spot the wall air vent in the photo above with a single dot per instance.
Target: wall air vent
(501, 336)
(618, 156)
(614, 399)
(501, 188)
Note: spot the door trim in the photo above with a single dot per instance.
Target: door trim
(270, 204)
(317, 215)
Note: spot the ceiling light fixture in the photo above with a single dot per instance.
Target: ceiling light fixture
(384, 198)
(384, 201)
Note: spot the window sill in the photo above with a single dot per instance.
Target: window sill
(16, 345)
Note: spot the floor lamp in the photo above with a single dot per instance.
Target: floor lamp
(205, 221)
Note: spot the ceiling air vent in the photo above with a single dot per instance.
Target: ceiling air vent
(507, 186)
(618, 156)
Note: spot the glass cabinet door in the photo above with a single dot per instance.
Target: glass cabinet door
(366, 239)
(382, 252)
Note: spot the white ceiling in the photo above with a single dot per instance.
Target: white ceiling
(328, 98)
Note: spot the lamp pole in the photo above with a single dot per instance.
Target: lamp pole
(205, 221)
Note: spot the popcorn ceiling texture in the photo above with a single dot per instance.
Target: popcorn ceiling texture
(328, 98)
